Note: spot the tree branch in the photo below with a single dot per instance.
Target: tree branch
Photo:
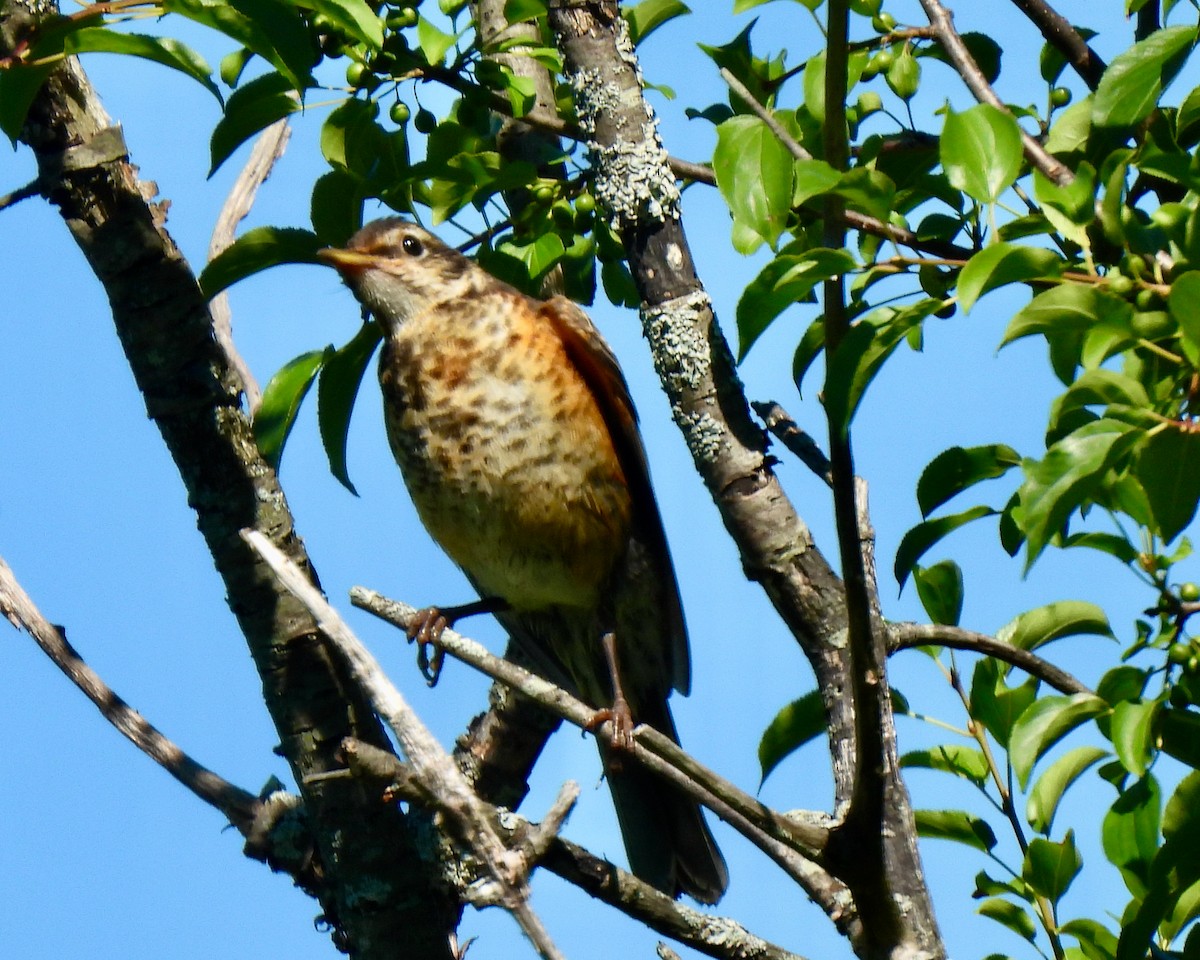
(1065, 39)
(943, 23)
(799, 443)
(761, 825)
(718, 937)
(903, 636)
(237, 805)
(193, 396)
(268, 148)
(437, 778)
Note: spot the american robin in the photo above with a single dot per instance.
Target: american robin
(517, 438)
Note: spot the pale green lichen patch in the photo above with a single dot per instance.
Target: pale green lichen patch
(676, 331)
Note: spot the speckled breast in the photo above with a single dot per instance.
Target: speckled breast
(505, 452)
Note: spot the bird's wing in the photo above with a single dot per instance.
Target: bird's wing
(596, 363)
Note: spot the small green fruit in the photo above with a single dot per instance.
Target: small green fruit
(400, 113)
(1060, 96)
(425, 121)
(1189, 592)
(1179, 653)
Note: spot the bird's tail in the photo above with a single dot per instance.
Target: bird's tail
(666, 838)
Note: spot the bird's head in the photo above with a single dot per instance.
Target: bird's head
(398, 270)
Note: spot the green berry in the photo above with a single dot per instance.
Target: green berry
(1060, 96)
(1152, 324)
(585, 203)
(1179, 653)
(356, 73)
(1189, 592)
(883, 23)
(425, 121)
(399, 113)
(1119, 284)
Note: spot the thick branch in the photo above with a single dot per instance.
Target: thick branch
(903, 636)
(1065, 39)
(943, 23)
(437, 778)
(193, 396)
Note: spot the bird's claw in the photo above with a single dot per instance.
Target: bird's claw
(621, 718)
(426, 628)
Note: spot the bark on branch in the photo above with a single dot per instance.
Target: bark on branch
(193, 396)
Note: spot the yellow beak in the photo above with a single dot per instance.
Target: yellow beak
(348, 260)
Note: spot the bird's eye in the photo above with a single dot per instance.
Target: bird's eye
(412, 246)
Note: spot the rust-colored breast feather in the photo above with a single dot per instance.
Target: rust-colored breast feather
(505, 451)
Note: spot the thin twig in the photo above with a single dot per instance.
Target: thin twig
(268, 148)
(942, 21)
(1065, 39)
(794, 841)
(765, 115)
(465, 816)
(239, 806)
(800, 443)
(715, 936)
(31, 189)
(902, 636)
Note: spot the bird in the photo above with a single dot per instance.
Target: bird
(517, 438)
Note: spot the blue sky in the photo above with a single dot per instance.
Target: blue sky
(105, 854)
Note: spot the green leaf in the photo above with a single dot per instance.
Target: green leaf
(813, 178)
(1184, 303)
(336, 208)
(966, 762)
(1168, 468)
(1071, 471)
(1049, 868)
(956, 825)
(1046, 722)
(1010, 915)
(1067, 618)
(164, 50)
(1070, 306)
(1001, 264)
(257, 250)
(996, 705)
(251, 108)
(433, 42)
(1050, 787)
(797, 723)
(274, 30)
(354, 18)
(789, 278)
(539, 255)
(646, 17)
(1129, 833)
(518, 11)
(861, 354)
(19, 84)
(341, 377)
(1135, 79)
(1180, 733)
(981, 151)
(1095, 940)
(281, 401)
(754, 174)
(940, 589)
(1133, 734)
(924, 535)
(988, 886)
(1117, 392)
(814, 86)
(953, 471)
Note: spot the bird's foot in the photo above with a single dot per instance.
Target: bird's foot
(621, 718)
(426, 628)
(429, 623)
